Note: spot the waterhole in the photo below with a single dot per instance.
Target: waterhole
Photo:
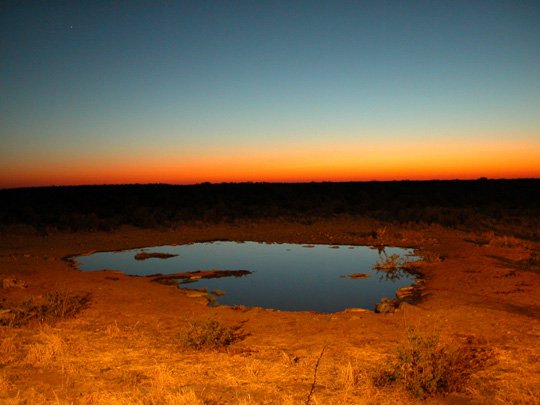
(280, 276)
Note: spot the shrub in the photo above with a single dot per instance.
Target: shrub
(427, 367)
(210, 335)
(392, 267)
(64, 305)
(390, 262)
(53, 307)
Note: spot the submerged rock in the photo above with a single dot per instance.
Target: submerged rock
(196, 294)
(358, 275)
(218, 293)
(145, 255)
(387, 305)
(356, 310)
(410, 293)
(192, 276)
(405, 292)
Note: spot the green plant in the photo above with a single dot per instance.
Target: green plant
(425, 366)
(210, 335)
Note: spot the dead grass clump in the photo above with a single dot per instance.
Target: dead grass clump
(8, 350)
(355, 384)
(65, 305)
(514, 378)
(182, 397)
(113, 331)
(161, 377)
(5, 385)
(21, 314)
(507, 241)
(431, 256)
(54, 306)
(210, 335)
(349, 376)
(49, 348)
(426, 367)
(30, 395)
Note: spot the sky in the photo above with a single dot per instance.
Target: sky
(180, 92)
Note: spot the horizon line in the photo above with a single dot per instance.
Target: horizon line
(270, 182)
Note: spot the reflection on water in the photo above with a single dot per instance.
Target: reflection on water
(285, 276)
(391, 267)
(394, 274)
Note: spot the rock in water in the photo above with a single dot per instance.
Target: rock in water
(387, 305)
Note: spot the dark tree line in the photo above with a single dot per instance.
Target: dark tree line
(477, 205)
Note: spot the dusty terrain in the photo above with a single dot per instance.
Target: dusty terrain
(482, 290)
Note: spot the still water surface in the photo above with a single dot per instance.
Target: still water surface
(285, 276)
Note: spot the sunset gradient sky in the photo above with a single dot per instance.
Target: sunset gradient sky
(184, 92)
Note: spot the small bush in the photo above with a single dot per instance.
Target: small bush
(390, 262)
(63, 305)
(392, 267)
(210, 335)
(426, 367)
(53, 307)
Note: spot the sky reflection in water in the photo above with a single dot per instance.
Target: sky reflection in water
(285, 276)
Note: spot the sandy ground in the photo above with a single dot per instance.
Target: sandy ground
(125, 347)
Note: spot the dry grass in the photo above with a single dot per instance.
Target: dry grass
(349, 376)
(182, 397)
(512, 380)
(5, 385)
(426, 366)
(210, 335)
(50, 308)
(8, 350)
(507, 241)
(122, 372)
(49, 349)
(113, 330)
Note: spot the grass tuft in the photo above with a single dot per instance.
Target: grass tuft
(49, 348)
(5, 385)
(210, 335)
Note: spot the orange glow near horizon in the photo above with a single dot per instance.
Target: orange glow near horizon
(352, 91)
(323, 162)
